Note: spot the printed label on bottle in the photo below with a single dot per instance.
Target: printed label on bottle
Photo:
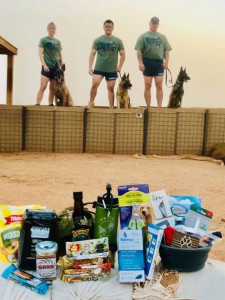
(80, 235)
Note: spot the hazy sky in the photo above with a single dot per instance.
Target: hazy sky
(194, 28)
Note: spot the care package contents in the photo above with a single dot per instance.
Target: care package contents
(198, 217)
(38, 225)
(86, 260)
(161, 208)
(155, 235)
(10, 227)
(25, 279)
(46, 260)
(134, 206)
(131, 256)
(180, 205)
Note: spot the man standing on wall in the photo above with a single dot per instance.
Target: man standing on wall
(107, 47)
(153, 57)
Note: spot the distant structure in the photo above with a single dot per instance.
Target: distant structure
(8, 49)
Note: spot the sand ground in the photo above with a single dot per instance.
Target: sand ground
(50, 179)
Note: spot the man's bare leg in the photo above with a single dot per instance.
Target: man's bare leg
(147, 92)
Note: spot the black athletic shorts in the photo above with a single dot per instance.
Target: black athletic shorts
(50, 74)
(153, 67)
(108, 76)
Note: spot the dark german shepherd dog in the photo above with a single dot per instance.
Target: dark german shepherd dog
(122, 96)
(62, 94)
(178, 90)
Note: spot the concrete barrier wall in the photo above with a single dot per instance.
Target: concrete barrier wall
(102, 130)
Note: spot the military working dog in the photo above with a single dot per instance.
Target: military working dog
(122, 96)
(177, 92)
(61, 92)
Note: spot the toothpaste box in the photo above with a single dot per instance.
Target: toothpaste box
(134, 206)
(131, 256)
(155, 235)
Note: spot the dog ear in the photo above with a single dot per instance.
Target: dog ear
(185, 69)
(124, 76)
(63, 67)
(181, 69)
(128, 75)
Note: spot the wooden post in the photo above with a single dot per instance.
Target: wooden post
(9, 97)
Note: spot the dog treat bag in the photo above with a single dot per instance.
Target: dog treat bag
(10, 226)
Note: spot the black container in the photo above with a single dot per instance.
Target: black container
(184, 259)
(38, 225)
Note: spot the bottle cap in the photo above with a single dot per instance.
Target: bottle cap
(78, 194)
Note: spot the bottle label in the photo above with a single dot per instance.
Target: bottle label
(80, 235)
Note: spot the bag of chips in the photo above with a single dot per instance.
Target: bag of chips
(10, 226)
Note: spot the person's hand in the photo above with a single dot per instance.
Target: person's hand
(90, 71)
(46, 69)
(118, 69)
(141, 67)
(165, 65)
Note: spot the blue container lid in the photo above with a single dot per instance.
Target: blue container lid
(46, 248)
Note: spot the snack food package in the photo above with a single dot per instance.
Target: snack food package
(86, 273)
(88, 248)
(72, 263)
(25, 279)
(10, 226)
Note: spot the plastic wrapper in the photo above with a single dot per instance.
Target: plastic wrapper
(87, 248)
(86, 273)
(10, 227)
(25, 279)
(68, 263)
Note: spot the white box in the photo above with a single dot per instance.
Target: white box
(155, 235)
(160, 204)
(131, 256)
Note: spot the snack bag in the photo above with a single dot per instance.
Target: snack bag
(10, 226)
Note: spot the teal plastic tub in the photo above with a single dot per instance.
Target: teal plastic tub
(184, 259)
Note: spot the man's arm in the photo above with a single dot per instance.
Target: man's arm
(91, 60)
(41, 56)
(166, 62)
(122, 59)
(140, 61)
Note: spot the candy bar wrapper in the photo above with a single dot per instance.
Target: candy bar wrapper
(70, 263)
(87, 248)
(25, 279)
(86, 273)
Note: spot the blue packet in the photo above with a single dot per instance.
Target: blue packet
(25, 279)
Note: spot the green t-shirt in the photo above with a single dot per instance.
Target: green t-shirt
(152, 45)
(52, 48)
(107, 53)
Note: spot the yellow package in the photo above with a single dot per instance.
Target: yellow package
(10, 226)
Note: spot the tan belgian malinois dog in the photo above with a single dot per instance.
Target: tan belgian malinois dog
(122, 96)
(62, 94)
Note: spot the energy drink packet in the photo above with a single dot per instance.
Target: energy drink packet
(25, 279)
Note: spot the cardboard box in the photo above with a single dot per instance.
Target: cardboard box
(131, 256)
(155, 235)
(160, 204)
(198, 217)
(180, 205)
